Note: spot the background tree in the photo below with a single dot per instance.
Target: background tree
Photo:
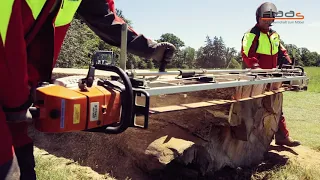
(81, 40)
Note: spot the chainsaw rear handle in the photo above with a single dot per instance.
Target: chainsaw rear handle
(300, 67)
(126, 100)
(35, 112)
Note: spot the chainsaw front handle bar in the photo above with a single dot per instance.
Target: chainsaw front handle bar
(126, 100)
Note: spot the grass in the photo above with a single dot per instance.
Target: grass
(314, 74)
(49, 167)
(301, 110)
(292, 171)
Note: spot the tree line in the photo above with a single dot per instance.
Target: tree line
(81, 41)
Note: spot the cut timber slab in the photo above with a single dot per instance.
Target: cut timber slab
(206, 138)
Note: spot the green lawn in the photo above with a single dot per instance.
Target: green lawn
(301, 110)
(314, 74)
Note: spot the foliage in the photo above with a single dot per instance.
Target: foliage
(169, 37)
(81, 40)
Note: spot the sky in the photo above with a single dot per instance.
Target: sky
(193, 20)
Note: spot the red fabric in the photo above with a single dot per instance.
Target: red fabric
(283, 127)
(285, 53)
(111, 5)
(6, 149)
(19, 133)
(27, 17)
(117, 18)
(13, 62)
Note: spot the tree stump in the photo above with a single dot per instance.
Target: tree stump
(229, 133)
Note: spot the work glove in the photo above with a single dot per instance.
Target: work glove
(256, 66)
(163, 53)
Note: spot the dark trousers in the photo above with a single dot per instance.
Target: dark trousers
(21, 167)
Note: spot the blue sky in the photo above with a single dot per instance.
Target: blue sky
(193, 20)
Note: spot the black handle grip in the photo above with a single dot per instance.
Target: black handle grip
(163, 62)
(300, 67)
(162, 67)
(35, 112)
(126, 100)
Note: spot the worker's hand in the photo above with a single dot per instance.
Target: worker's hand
(288, 59)
(164, 52)
(256, 66)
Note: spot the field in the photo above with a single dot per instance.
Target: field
(301, 110)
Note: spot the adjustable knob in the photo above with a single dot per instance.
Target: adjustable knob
(54, 114)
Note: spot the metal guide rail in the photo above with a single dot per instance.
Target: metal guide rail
(189, 81)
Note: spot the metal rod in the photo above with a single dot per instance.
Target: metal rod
(208, 86)
(150, 73)
(221, 76)
(123, 50)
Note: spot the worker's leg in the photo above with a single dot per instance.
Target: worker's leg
(282, 135)
(23, 146)
(9, 169)
(283, 132)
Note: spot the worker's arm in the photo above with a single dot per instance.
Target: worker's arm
(283, 52)
(100, 16)
(248, 50)
(14, 91)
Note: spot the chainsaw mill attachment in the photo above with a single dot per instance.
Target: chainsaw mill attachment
(112, 104)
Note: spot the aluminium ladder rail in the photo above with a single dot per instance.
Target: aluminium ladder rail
(215, 85)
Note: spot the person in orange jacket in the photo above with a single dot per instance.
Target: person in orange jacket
(31, 35)
(261, 48)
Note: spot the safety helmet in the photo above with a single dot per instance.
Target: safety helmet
(266, 9)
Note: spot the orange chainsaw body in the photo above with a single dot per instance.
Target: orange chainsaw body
(64, 109)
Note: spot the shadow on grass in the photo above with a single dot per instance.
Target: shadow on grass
(283, 148)
(271, 161)
(102, 161)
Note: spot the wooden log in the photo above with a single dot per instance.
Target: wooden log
(203, 138)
